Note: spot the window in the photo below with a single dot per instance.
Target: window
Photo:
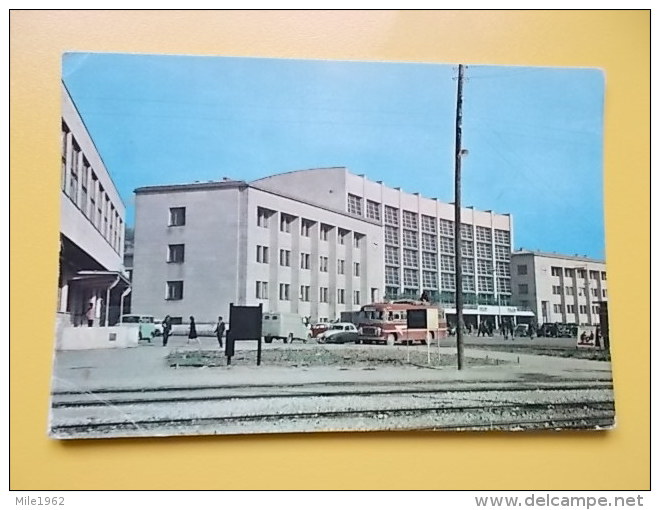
(323, 264)
(410, 239)
(285, 258)
(262, 290)
(522, 269)
(356, 269)
(356, 297)
(596, 309)
(357, 240)
(306, 227)
(556, 271)
(391, 255)
(556, 308)
(446, 245)
(603, 275)
(304, 260)
(429, 280)
(391, 215)
(570, 291)
(409, 220)
(448, 281)
(323, 233)
(484, 234)
(467, 248)
(502, 237)
(582, 291)
(177, 216)
(341, 296)
(484, 267)
(593, 275)
(429, 224)
(323, 294)
(174, 290)
(484, 251)
(466, 232)
(340, 266)
(485, 284)
(92, 198)
(556, 289)
(410, 278)
(523, 288)
(524, 304)
(391, 235)
(73, 169)
(341, 236)
(594, 292)
(447, 228)
(570, 308)
(262, 254)
(262, 217)
(447, 263)
(99, 209)
(373, 210)
(175, 252)
(354, 204)
(391, 275)
(284, 291)
(429, 242)
(429, 261)
(285, 222)
(410, 258)
(569, 272)
(468, 284)
(304, 293)
(581, 273)
(503, 268)
(504, 285)
(468, 266)
(502, 253)
(84, 176)
(604, 292)
(583, 309)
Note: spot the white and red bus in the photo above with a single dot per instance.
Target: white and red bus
(387, 323)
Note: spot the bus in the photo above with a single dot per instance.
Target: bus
(387, 323)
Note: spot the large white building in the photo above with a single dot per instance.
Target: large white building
(559, 288)
(314, 242)
(91, 231)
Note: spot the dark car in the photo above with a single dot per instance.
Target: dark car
(338, 333)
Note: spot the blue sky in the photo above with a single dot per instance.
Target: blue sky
(534, 135)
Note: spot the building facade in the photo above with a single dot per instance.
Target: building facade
(91, 229)
(559, 288)
(313, 242)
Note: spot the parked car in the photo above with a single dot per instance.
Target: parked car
(146, 325)
(285, 326)
(319, 328)
(338, 333)
(521, 330)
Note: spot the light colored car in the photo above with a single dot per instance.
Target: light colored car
(338, 333)
(285, 326)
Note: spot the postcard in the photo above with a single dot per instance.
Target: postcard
(254, 246)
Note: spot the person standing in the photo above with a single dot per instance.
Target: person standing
(220, 330)
(89, 315)
(167, 328)
(192, 332)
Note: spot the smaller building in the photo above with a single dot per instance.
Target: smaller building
(559, 288)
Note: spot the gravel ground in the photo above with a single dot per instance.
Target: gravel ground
(562, 352)
(321, 355)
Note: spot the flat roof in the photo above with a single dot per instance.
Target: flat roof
(556, 256)
(193, 186)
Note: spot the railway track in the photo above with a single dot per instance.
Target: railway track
(297, 408)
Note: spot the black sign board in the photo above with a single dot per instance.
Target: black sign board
(244, 324)
(417, 319)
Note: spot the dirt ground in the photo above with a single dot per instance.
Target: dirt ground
(592, 354)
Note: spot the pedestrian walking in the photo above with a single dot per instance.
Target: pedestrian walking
(167, 329)
(192, 332)
(89, 315)
(220, 330)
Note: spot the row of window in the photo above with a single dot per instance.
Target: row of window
(81, 184)
(582, 291)
(261, 292)
(305, 261)
(572, 272)
(447, 280)
(583, 309)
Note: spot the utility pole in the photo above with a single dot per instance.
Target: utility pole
(457, 220)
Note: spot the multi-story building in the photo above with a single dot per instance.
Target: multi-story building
(314, 242)
(559, 288)
(91, 231)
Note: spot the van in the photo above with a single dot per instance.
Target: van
(146, 325)
(285, 326)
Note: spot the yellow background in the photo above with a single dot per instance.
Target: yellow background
(616, 41)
